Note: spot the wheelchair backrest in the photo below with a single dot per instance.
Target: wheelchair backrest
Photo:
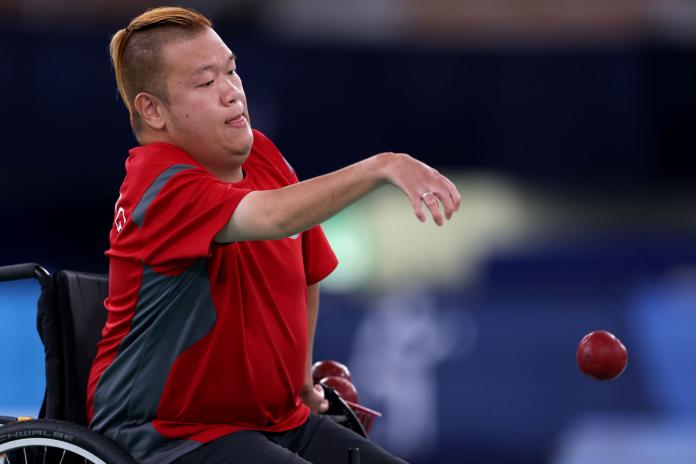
(71, 315)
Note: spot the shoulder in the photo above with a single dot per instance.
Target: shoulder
(149, 162)
(262, 142)
(265, 148)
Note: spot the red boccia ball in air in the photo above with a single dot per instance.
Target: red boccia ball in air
(601, 355)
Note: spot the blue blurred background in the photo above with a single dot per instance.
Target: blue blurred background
(568, 128)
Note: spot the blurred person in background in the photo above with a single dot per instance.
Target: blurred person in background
(215, 262)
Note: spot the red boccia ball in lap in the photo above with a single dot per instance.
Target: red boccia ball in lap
(601, 355)
(329, 368)
(343, 386)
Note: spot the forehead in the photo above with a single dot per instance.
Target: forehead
(185, 56)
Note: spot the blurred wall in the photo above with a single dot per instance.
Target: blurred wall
(616, 118)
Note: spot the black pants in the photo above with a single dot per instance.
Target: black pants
(320, 440)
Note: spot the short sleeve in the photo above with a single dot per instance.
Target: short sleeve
(179, 220)
(319, 258)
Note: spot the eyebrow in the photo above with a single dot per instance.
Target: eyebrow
(208, 67)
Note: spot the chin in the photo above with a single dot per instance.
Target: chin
(241, 149)
(245, 146)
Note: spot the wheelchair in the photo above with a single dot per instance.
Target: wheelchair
(70, 316)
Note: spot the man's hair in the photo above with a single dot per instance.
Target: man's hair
(136, 52)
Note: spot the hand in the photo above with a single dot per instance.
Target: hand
(422, 184)
(313, 396)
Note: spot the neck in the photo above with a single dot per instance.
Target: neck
(226, 172)
(227, 175)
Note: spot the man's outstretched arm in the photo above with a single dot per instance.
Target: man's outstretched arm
(280, 213)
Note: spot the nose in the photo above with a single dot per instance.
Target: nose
(231, 93)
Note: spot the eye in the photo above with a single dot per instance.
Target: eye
(207, 84)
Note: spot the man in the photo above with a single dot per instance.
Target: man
(215, 261)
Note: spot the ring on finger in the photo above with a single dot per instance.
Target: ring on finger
(425, 194)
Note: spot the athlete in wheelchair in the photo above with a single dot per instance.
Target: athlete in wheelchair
(69, 320)
(215, 260)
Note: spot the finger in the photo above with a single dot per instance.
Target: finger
(447, 203)
(324, 406)
(433, 205)
(319, 389)
(416, 204)
(454, 193)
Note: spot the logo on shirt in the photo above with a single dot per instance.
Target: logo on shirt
(294, 237)
(119, 216)
(120, 221)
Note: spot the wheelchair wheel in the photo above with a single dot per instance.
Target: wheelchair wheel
(48, 441)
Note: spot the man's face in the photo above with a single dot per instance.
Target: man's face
(207, 113)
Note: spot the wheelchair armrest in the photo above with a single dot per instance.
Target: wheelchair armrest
(22, 271)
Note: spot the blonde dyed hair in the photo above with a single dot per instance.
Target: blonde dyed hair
(136, 52)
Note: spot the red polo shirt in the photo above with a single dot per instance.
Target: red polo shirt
(201, 339)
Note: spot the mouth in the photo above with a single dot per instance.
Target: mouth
(238, 121)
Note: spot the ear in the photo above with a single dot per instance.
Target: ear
(151, 109)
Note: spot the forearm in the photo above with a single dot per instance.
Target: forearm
(274, 214)
(312, 315)
(280, 213)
